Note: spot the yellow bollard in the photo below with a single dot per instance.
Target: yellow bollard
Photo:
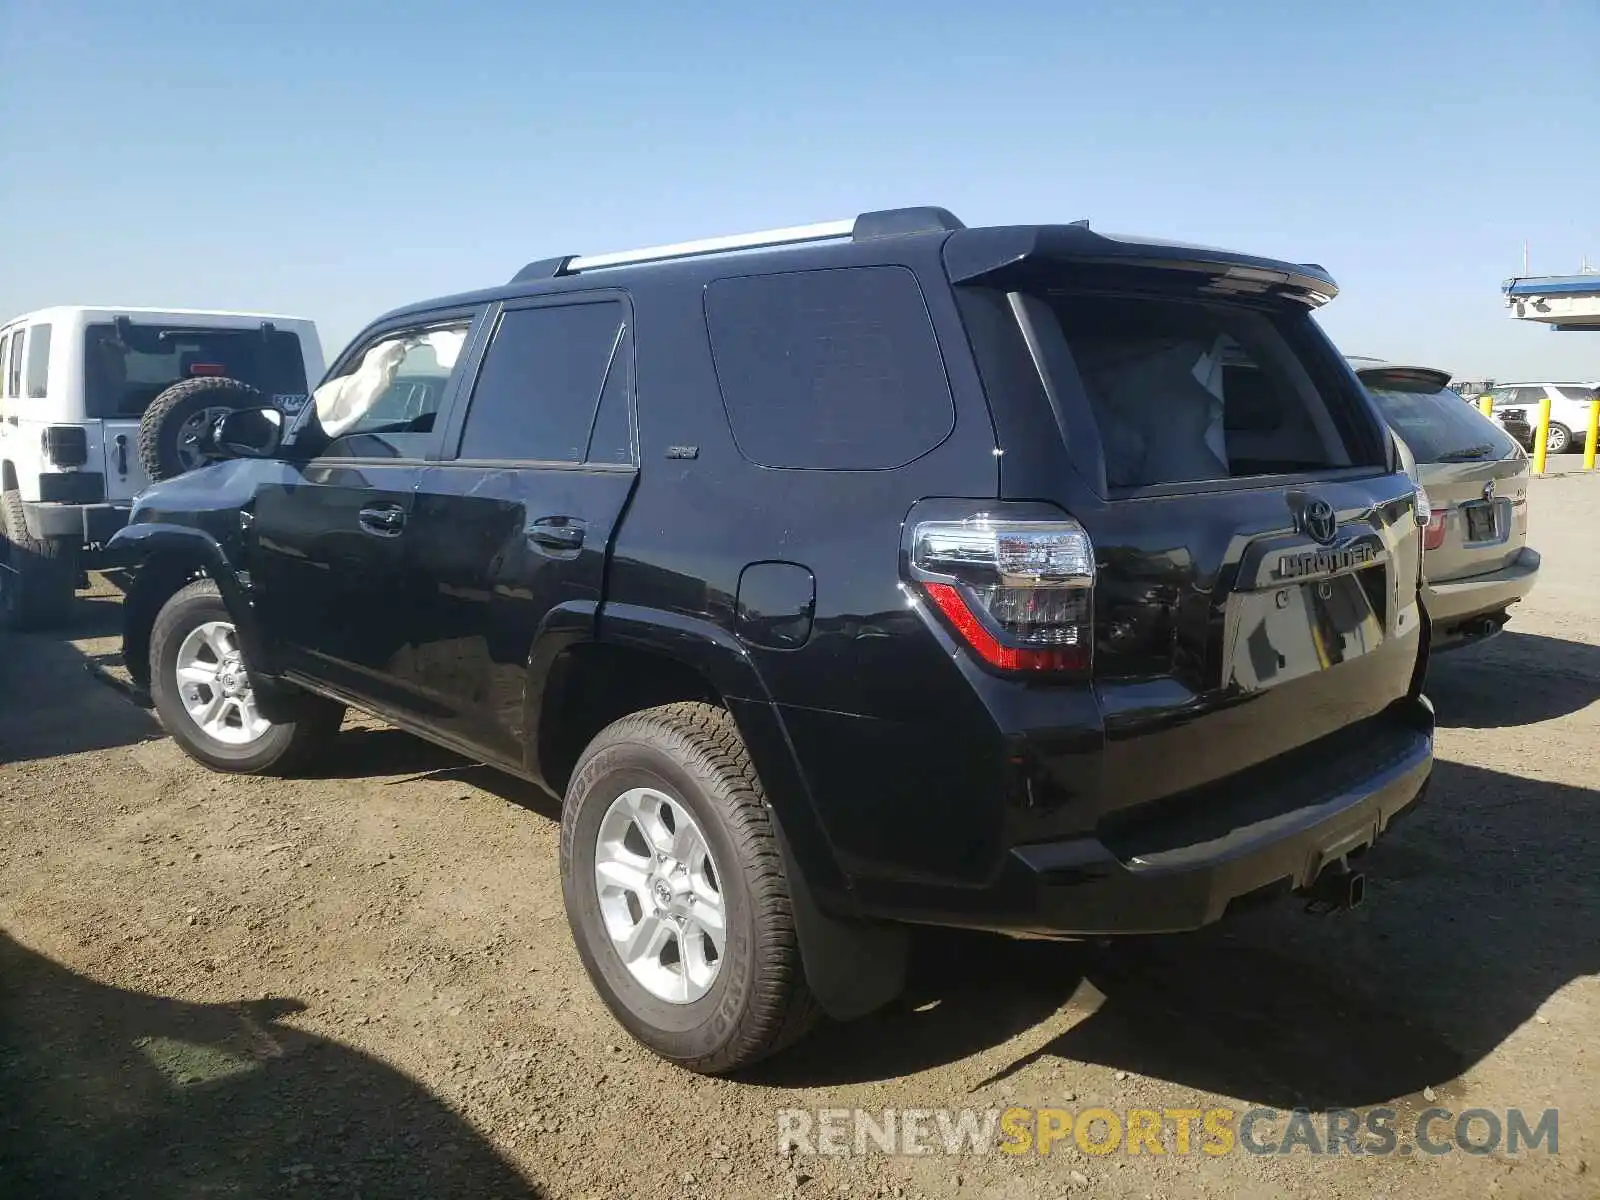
(1486, 404)
(1593, 436)
(1541, 436)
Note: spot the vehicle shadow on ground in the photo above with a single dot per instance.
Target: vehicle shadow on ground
(1480, 907)
(105, 1092)
(49, 706)
(1513, 679)
(382, 752)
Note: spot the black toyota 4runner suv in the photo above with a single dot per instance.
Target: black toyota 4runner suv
(847, 576)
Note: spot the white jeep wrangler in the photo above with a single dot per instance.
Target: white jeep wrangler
(96, 403)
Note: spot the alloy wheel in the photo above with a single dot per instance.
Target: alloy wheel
(660, 895)
(215, 688)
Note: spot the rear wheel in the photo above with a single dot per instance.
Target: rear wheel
(676, 893)
(1559, 440)
(206, 698)
(37, 576)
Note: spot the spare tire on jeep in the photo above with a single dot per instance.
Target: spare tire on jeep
(175, 429)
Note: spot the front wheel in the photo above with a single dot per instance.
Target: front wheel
(676, 894)
(1559, 440)
(206, 698)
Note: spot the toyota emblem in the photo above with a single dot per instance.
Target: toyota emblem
(1318, 521)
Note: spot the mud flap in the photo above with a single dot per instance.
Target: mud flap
(852, 967)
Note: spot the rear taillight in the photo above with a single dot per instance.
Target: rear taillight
(65, 445)
(1431, 522)
(1019, 594)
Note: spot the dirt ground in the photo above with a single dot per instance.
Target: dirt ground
(363, 985)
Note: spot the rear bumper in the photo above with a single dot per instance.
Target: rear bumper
(1180, 866)
(1453, 602)
(92, 523)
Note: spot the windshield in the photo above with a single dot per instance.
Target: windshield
(126, 366)
(1436, 423)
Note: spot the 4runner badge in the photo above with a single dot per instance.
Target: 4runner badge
(1326, 562)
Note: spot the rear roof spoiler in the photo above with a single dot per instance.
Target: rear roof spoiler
(996, 255)
(1432, 376)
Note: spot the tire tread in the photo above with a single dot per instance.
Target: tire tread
(152, 423)
(45, 584)
(309, 734)
(706, 741)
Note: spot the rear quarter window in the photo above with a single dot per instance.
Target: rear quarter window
(14, 365)
(38, 368)
(829, 370)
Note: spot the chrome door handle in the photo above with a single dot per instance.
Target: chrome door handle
(383, 520)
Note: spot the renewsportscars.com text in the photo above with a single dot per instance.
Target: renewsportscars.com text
(1177, 1131)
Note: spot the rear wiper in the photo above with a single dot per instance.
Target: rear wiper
(1467, 453)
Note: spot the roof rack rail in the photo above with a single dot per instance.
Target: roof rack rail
(893, 222)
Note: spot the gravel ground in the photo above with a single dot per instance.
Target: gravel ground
(362, 985)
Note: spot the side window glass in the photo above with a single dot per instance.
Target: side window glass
(541, 383)
(1530, 396)
(831, 370)
(5, 350)
(612, 439)
(14, 365)
(38, 370)
(386, 404)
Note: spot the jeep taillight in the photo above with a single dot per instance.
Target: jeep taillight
(65, 445)
(1019, 594)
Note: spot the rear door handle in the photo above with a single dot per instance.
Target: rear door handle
(557, 533)
(384, 520)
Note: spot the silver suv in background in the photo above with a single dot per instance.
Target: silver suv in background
(1476, 562)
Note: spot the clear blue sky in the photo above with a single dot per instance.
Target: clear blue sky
(335, 159)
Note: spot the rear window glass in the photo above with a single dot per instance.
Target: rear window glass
(832, 370)
(126, 366)
(541, 382)
(1192, 391)
(1437, 425)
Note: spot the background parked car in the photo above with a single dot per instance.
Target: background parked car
(1476, 560)
(98, 403)
(1569, 410)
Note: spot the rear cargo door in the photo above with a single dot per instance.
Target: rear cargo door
(1257, 549)
(129, 362)
(119, 444)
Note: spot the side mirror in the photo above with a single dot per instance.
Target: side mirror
(249, 433)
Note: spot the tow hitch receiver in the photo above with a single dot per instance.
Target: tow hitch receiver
(1336, 888)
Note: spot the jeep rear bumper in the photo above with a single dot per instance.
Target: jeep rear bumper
(1179, 866)
(93, 523)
